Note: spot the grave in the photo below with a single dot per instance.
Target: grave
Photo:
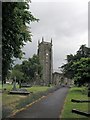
(20, 91)
(81, 112)
(87, 114)
(26, 85)
(80, 101)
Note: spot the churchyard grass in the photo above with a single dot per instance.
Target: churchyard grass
(9, 99)
(36, 89)
(8, 87)
(0, 86)
(77, 93)
(11, 103)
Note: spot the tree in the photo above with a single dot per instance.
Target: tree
(82, 71)
(30, 67)
(77, 66)
(83, 52)
(16, 18)
(18, 74)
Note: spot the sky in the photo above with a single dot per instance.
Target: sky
(65, 22)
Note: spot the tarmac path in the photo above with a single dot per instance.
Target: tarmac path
(48, 107)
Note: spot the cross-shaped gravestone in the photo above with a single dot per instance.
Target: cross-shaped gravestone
(14, 84)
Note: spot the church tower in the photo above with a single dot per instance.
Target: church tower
(45, 56)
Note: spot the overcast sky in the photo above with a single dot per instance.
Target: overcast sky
(65, 22)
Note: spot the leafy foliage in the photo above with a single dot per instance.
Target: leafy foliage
(82, 69)
(18, 74)
(78, 66)
(16, 18)
(32, 67)
(27, 70)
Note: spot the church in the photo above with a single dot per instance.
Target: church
(46, 60)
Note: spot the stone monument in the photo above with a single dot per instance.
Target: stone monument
(18, 90)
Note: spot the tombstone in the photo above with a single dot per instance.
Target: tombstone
(19, 91)
(87, 114)
(81, 113)
(14, 84)
(26, 85)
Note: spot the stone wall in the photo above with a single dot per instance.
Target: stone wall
(59, 79)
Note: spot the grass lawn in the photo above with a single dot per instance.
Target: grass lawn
(10, 102)
(9, 87)
(75, 93)
(0, 86)
(33, 89)
(10, 99)
(36, 89)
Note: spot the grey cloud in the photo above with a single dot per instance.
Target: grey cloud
(65, 22)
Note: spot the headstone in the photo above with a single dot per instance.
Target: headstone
(87, 114)
(14, 84)
(18, 91)
(26, 85)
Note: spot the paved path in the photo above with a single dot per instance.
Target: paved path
(48, 107)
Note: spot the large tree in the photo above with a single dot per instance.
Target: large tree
(77, 66)
(16, 17)
(82, 71)
(31, 67)
(27, 71)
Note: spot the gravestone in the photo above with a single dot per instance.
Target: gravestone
(14, 84)
(87, 114)
(18, 90)
(26, 85)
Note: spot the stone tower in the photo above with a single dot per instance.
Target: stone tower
(45, 56)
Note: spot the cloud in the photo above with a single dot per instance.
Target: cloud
(65, 22)
(61, 1)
